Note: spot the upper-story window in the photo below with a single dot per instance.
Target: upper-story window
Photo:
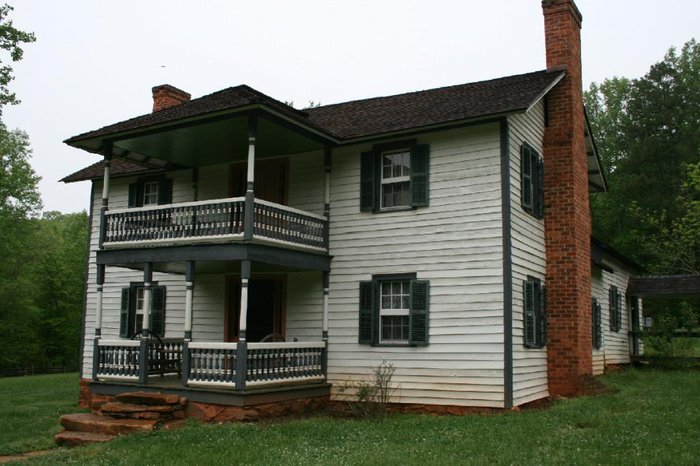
(394, 177)
(531, 181)
(150, 193)
(151, 190)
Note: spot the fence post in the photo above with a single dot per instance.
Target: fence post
(241, 365)
(185, 375)
(143, 361)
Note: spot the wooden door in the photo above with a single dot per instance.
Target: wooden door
(271, 180)
(266, 309)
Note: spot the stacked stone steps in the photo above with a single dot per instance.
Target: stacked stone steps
(121, 415)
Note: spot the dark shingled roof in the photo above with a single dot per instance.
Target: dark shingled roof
(359, 118)
(435, 106)
(119, 166)
(229, 98)
(665, 286)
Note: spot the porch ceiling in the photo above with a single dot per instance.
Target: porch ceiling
(217, 141)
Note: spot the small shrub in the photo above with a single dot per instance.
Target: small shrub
(370, 398)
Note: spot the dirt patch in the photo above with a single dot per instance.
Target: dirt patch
(23, 456)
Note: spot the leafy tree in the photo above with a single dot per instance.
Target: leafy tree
(11, 40)
(648, 134)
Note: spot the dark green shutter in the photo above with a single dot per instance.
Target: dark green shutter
(125, 325)
(529, 317)
(597, 327)
(618, 320)
(539, 186)
(613, 309)
(419, 328)
(157, 321)
(420, 168)
(367, 182)
(542, 316)
(165, 191)
(366, 321)
(526, 178)
(133, 194)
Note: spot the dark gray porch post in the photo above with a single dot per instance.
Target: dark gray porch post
(189, 278)
(326, 295)
(242, 347)
(98, 321)
(107, 152)
(143, 348)
(248, 220)
(327, 195)
(189, 296)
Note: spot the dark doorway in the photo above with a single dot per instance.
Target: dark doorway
(265, 307)
(271, 180)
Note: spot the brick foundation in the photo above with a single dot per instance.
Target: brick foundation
(567, 212)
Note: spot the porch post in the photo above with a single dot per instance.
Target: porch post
(249, 217)
(147, 279)
(189, 277)
(326, 294)
(107, 152)
(242, 347)
(98, 311)
(327, 195)
(143, 344)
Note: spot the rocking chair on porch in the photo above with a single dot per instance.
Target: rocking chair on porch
(164, 357)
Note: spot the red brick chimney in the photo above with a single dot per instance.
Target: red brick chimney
(567, 213)
(165, 96)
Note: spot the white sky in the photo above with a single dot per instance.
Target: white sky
(94, 62)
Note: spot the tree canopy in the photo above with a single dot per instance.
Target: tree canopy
(11, 40)
(648, 134)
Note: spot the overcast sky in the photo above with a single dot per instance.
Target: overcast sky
(94, 62)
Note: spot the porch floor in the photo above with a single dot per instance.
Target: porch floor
(249, 397)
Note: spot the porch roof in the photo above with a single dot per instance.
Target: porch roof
(668, 286)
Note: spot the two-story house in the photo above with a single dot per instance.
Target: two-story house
(245, 253)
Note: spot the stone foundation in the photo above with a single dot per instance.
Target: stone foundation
(84, 394)
(209, 412)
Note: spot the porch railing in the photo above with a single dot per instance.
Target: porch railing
(238, 365)
(137, 359)
(219, 219)
(213, 364)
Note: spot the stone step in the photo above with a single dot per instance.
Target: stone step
(70, 438)
(88, 422)
(151, 398)
(124, 409)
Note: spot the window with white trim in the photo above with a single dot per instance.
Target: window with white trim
(396, 179)
(150, 193)
(393, 311)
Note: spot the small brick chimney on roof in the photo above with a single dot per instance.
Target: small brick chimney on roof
(567, 213)
(165, 96)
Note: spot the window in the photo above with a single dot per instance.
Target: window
(394, 177)
(534, 314)
(150, 193)
(596, 316)
(153, 190)
(132, 310)
(394, 311)
(531, 181)
(615, 302)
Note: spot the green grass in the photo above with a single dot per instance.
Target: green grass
(652, 418)
(30, 408)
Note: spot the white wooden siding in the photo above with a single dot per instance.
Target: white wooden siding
(456, 244)
(617, 346)
(528, 257)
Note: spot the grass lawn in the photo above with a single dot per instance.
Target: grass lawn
(653, 418)
(30, 408)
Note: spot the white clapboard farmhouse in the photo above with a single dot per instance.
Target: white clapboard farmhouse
(246, 254)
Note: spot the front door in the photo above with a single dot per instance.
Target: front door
(271, 180)
(265, 307)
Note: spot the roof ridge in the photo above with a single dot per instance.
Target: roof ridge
(451, 86)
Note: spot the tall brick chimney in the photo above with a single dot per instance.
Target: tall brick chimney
(567, 213)
(165, 96)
